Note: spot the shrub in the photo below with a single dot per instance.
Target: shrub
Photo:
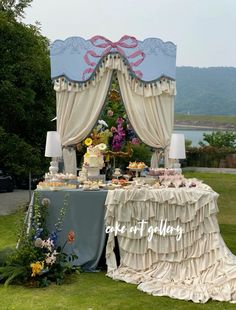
(207, 156)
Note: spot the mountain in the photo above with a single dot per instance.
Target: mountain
(210, 91)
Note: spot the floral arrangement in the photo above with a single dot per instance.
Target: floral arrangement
(118, 135)
(114, 138)
(100, 136)
(116, 132)
(99, 147)
(38, 260)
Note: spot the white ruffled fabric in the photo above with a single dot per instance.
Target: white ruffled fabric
(198, 267)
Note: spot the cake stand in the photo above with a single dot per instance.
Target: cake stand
(117, 173)
(136, 170)
(93, 171)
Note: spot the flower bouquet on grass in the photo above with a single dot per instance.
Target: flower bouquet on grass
(38, 261)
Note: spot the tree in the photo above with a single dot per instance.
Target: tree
(15, 8)
(18, 155)
(26, 94)
(220, 139)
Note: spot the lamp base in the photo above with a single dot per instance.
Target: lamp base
(53, 169)
(176, 166)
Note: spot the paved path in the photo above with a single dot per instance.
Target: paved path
(11, 202)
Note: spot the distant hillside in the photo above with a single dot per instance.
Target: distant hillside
(206, 90)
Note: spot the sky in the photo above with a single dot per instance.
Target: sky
(203, 30)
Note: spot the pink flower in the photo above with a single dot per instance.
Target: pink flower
(119, 120)
(135, 141)
(113, 129)
(110, 113)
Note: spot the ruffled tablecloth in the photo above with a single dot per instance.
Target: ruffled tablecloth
(177, 250)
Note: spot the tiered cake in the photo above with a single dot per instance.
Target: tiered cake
(93, 159)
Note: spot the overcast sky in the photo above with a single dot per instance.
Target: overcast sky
(203, 30)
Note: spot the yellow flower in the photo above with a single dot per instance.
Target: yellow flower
(36, 268)
(88, 141)
(86, 154)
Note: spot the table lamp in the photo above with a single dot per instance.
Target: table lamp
(53, 149)
(177, 150)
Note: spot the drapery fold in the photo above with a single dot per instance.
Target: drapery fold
(197, 267)
(149, 107)
(151, 117)
(77, 113)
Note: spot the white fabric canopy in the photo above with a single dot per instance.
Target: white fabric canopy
(149, 107)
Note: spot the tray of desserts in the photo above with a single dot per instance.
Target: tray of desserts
(136, 165)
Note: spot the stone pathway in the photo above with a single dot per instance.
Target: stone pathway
(11, 202)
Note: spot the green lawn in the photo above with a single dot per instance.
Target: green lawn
(220, 119)
(95, 290)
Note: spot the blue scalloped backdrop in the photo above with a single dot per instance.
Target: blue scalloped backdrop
(77, 58)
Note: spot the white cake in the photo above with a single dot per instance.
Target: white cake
(93, 158)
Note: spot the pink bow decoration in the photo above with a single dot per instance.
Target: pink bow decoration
(125, 42)
(108, 45)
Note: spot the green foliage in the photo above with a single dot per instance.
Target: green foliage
(141, 152)
(4, 254)
(114, 104)
(220, 139)
(206, 90)
(213, 120)
(207, 156)
(11, 272)
(15, 8)
(214, 148)
(18, 156)
(188, 143)
(37, 259)
(27, 99)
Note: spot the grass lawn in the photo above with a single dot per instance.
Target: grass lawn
(95, 290)
(220, 119)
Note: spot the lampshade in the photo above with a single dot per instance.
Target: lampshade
(177, 146)
(53, 144)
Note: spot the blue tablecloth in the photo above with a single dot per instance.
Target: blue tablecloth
(85, 216)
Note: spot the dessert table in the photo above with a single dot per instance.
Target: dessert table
(85, 216)
(169, 238)
(170, 243)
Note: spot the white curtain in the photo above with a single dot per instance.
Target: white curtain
(149, 107)
(77, 112)
(151, 116)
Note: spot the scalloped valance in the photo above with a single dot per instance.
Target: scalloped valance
(113, 62)
(78, 59)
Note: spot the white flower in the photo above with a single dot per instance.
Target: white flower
(102, 122)
(102, 146)
(51, 259)
(48, 244)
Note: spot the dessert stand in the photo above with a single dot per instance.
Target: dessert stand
(136, 170)
(117, 173)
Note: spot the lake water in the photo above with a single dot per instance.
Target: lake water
(192, 134)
